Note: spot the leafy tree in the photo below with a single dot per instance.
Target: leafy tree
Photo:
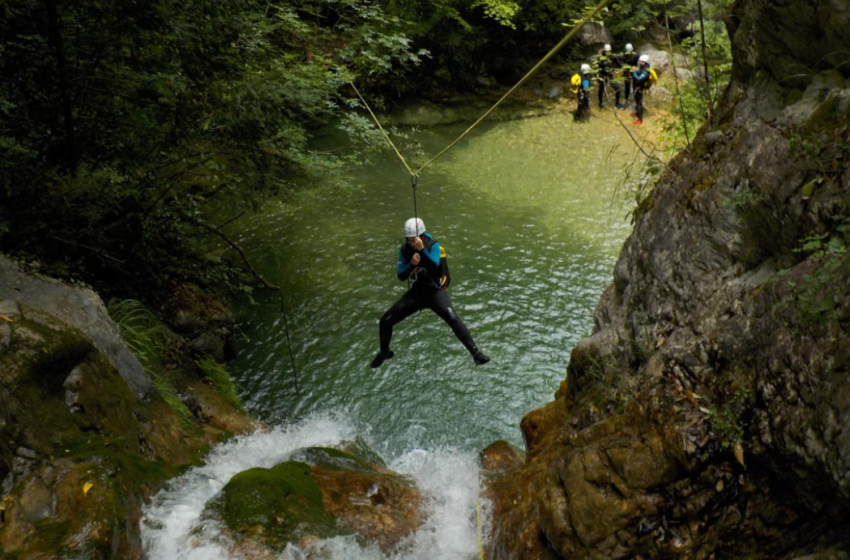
(129, 127)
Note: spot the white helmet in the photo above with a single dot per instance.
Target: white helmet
(607, 48)
(644, 58)
(414, 227)
(629, 47)
(585, 68)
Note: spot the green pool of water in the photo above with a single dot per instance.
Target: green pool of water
(529, 213)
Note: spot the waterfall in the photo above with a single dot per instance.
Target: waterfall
(173, 527)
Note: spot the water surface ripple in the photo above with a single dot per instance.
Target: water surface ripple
(529, 214)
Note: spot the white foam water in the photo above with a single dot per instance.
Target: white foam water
(173, 527)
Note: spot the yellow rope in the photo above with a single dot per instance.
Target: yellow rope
(524, 79)
(387, 136)
(478, 517)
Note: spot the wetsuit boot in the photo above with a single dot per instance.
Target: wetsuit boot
(381, 358)
(479, 357)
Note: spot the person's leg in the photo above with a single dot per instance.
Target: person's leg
(406, 306)
(442, 306)
(628, 88)
(601, 91)
(639, 102)
(616, 88)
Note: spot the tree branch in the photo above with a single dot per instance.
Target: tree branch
(238, 249)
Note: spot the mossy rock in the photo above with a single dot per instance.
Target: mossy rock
(42, 351)
(331, 458)
(283, 500)
(360, 449)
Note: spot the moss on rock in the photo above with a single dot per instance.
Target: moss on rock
(284, 500)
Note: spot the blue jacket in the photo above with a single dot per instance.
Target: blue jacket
(641, 75)
(428, 269)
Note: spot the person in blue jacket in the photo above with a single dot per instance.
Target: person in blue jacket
(580, 84)
(640, 80)
(421, 264)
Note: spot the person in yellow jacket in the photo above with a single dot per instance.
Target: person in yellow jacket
(580, 86)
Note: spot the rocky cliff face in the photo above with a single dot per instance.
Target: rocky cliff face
(84, 435)
(707, 416)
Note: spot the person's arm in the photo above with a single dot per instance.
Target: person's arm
(404, 267)
(430, 260)
(640, 76)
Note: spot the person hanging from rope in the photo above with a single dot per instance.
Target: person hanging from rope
(628, 60)
(422, 263)
(580, 86)
(605, 63)
(640, 77)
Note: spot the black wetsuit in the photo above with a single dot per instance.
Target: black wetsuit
(641, 81)
(628, 61)
(425, 292)
(605, 65)
(582, 93)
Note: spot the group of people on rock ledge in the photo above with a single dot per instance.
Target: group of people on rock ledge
(635, 71)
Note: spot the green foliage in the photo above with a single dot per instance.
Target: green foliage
(283, 500)
(727, 420)
(639, 178)
(812, 294)
(221, 381)
(745, 198)
(157, 120)
(141, 330)
(147, 336)
(697, 99)
(502, 11)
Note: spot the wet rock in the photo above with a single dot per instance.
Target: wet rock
(594, 35)
(711, 404)
(684, 74)
(501, 456)
(203, 320)
(322, 493)
(10, 309)
(73, 386)
(81, 309)
(36, 501)
(659, 59)
(711, 138)
(5, 335)
(26, 453)
(210, 343)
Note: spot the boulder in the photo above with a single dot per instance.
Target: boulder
(659, 59)
(319, 493)
(80, 308)
(500, 456)
(10, 310)
(594, 35)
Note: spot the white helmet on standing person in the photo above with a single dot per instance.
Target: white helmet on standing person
(414, 227)
(607, 48)
(629, 47)
(644, 58)
(585, 68)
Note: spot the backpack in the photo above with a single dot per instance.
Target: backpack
(653, 78)
(444, 264)
(575, 83)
